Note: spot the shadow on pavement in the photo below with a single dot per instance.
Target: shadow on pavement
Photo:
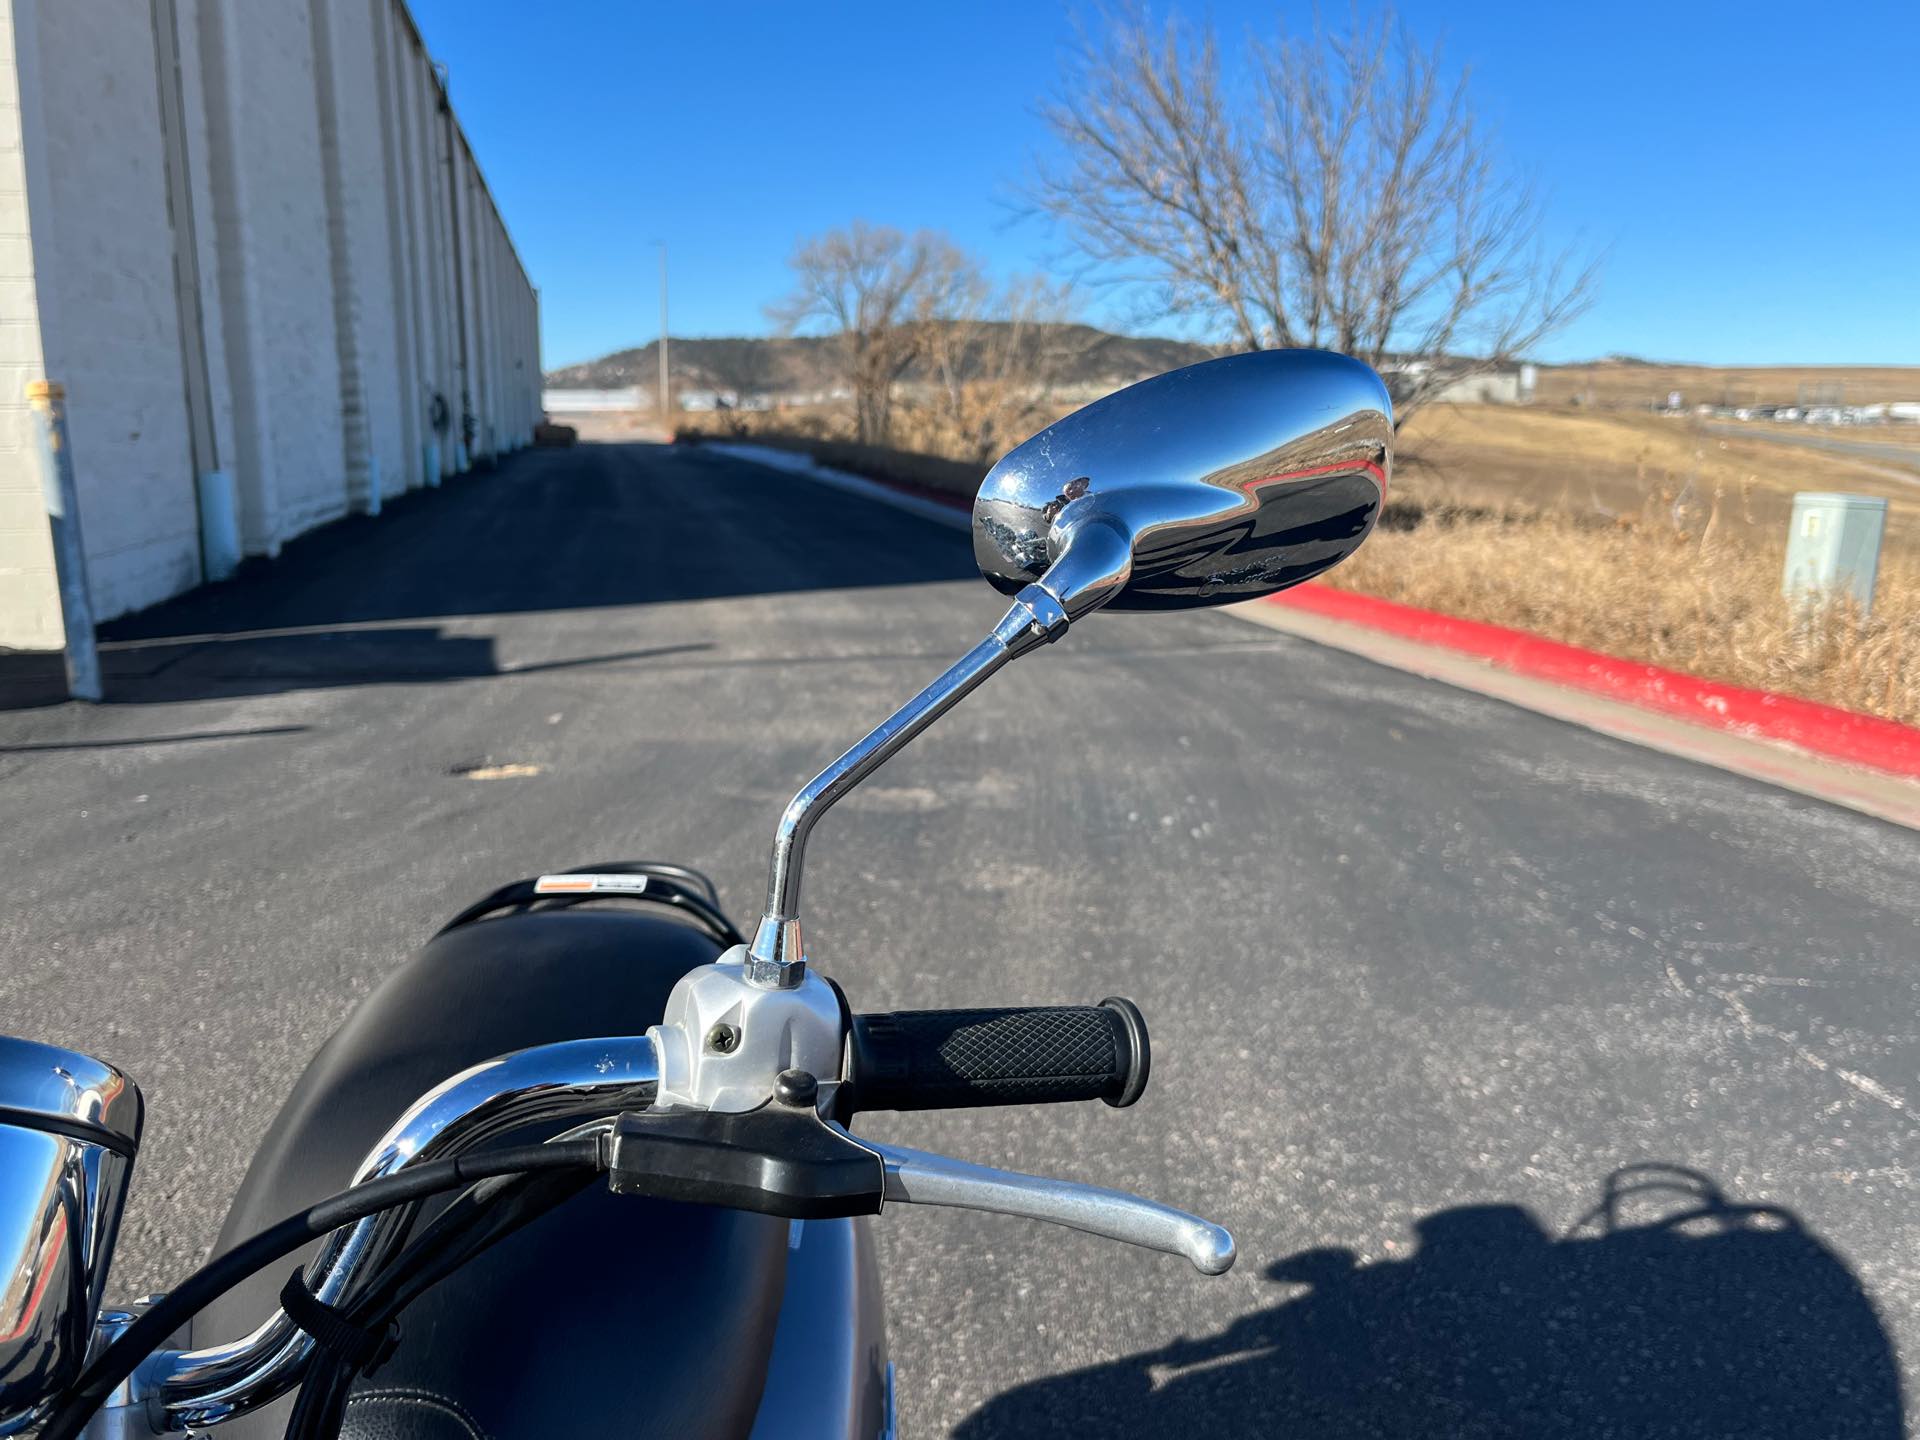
(596, 526)
(199, 667)
(1711, 1319)
(200, 736)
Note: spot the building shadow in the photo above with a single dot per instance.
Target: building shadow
(1704, 1318)
(591, 527)
(136, 742)
(205, 667)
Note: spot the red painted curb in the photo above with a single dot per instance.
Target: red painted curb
(1823, 729)
(922, 492)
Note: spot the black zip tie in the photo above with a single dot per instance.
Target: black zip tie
(360, 1349)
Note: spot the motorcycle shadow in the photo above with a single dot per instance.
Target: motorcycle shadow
(1712, 1319)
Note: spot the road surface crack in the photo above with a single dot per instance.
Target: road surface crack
(1806, 1054)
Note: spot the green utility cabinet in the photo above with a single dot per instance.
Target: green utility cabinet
(1833, 547)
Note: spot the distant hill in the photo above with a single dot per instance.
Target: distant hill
(805, 364)
(1095, 361)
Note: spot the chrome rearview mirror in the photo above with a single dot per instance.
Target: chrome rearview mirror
(1223, 481)
(69, 1126)
(1219, 482)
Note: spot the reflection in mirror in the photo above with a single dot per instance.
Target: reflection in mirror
(69, 1126)
(1218, 482)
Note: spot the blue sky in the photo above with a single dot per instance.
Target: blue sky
(1753, 171)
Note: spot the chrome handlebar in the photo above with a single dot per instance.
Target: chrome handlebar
(587, 1082)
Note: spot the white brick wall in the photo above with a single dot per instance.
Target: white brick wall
(191, 44)
(88, 275)
(362, 155)
(29, 593)
(104, 253)
(278, 155)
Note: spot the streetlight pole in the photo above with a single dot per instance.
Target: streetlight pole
(666, 384)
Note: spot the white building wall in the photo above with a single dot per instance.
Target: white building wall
(428, 143)
(397, 432)
(413, 183)
(432, 244)
(466, 300)
(330, 316)
(29, 591)
(191, 51)
(277, 147)
(1493, 388)
(487, 393)
(487, 342)
(103, 247)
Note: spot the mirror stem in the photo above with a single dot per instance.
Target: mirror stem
(776, 960)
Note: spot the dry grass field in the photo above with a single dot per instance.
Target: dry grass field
(1707, 602)
(1631, 384)
(1645, 537)
(1651, 538)
(1642, 468)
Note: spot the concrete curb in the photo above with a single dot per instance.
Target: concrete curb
(1838, 734)
(928, 504)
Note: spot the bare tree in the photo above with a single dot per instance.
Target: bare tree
(879, 289)
(994, 360)
(744, 373)
(1341, 194)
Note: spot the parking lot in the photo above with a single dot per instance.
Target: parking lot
(1428, 975)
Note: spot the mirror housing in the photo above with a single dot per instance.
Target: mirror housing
(1218, 482)
(69, 1127)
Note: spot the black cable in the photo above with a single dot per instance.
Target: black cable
(492, 1210)
(482, 1217)
(221, 1274)
(454, 1237)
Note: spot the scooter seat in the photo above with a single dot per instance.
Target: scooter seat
(608, 1316)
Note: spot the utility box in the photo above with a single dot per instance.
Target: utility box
(1833, 547)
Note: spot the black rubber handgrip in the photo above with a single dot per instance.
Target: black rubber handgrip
(953, 1059)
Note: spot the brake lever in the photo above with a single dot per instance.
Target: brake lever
(915, 1177)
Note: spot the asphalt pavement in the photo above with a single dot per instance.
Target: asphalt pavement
(1907, 457)
(1551, 1085)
